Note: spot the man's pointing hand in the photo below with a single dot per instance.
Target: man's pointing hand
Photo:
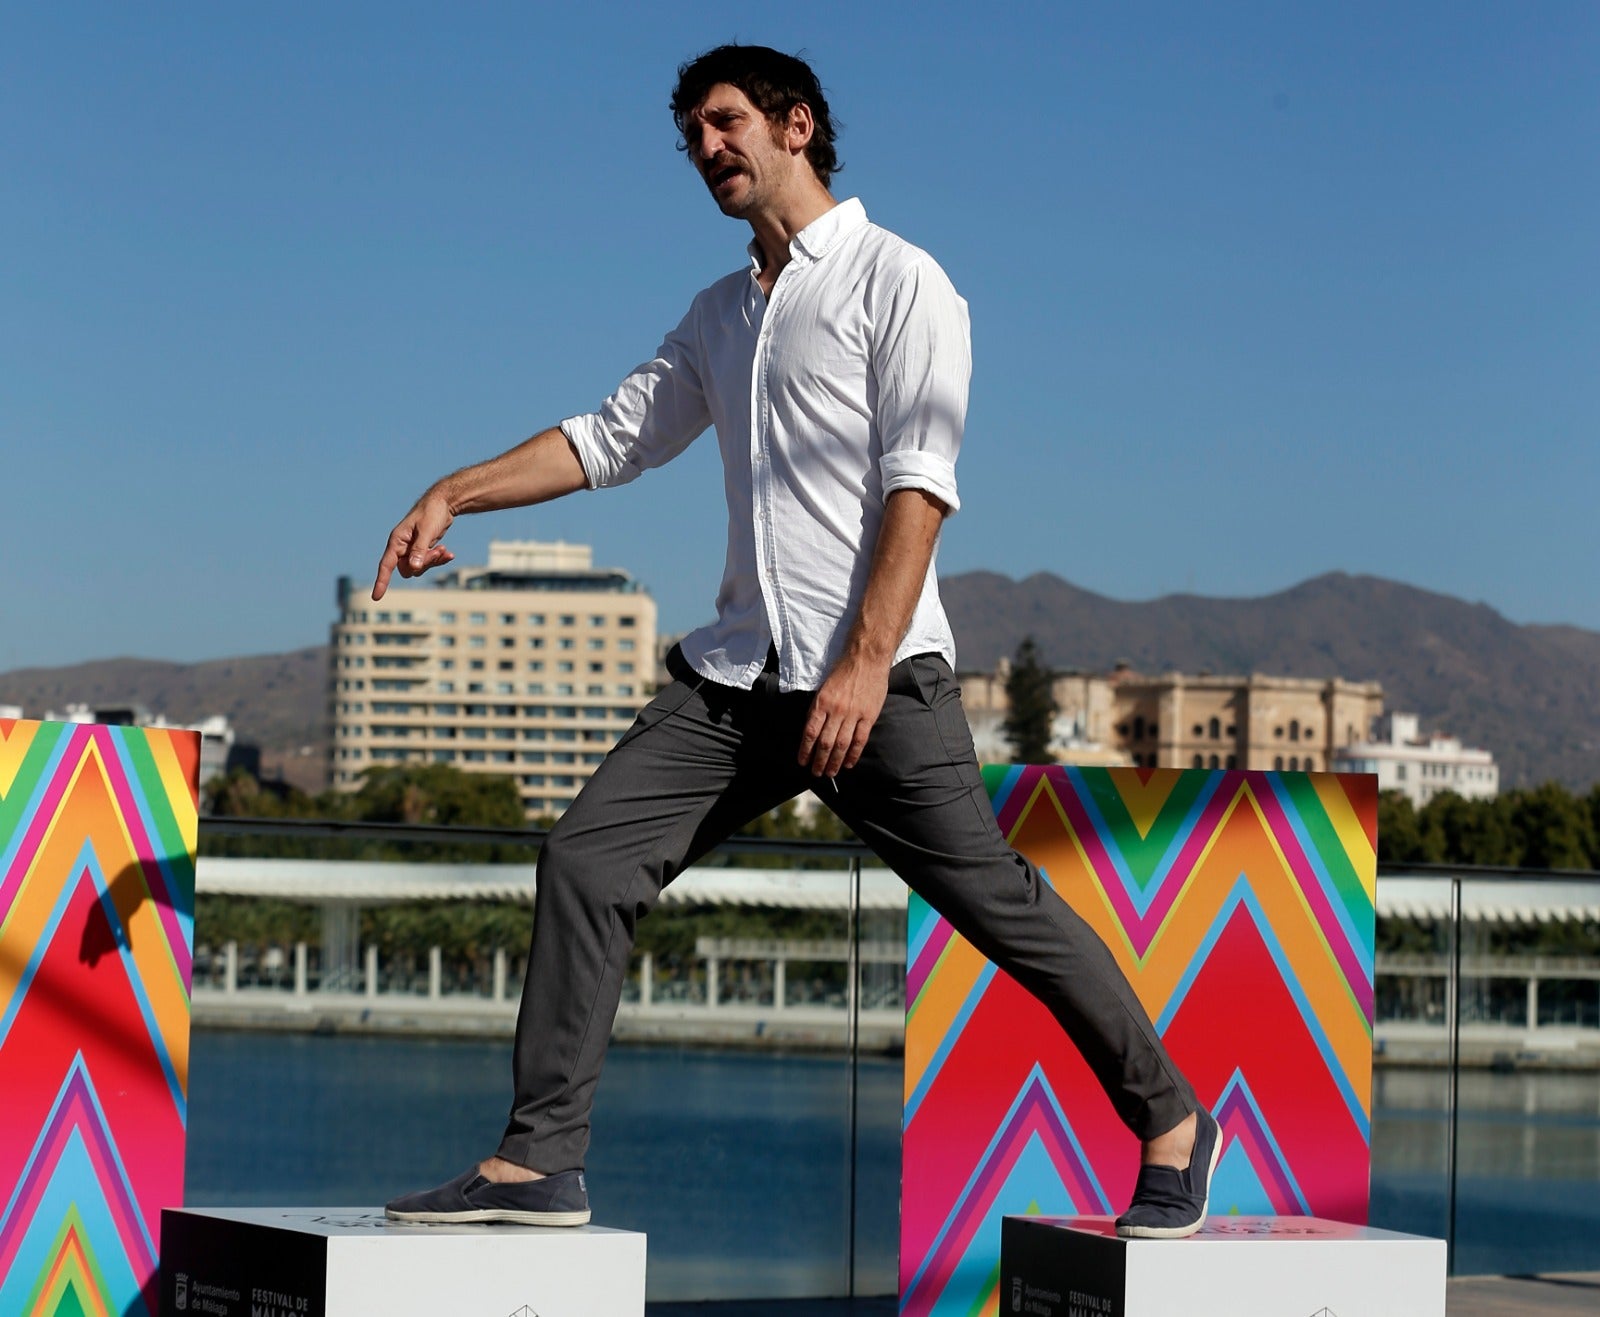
(414, 545)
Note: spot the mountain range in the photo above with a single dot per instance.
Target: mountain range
(1531, 694)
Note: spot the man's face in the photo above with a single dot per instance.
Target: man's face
(738, 151)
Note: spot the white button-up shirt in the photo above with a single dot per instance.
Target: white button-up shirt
(847, 384)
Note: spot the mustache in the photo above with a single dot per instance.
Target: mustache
(718, 163)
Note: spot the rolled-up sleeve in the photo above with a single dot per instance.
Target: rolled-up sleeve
(656, 412)
(922, 358)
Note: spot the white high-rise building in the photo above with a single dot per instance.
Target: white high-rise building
(1420, 765)
(530, 666)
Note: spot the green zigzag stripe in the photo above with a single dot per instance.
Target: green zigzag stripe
(1142, 855)
(1313, 817)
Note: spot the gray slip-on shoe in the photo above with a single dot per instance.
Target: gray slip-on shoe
(1169, 1203)
(556, 1200)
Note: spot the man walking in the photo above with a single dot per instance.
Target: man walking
(834, 369)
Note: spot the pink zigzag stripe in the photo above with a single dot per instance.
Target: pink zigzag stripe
(1350, 963)
(1034, 1114)
(1241, 1123)
(919, 973)
(77, 1110)
(1144, 930)
(1141, 930)
(154, 880)
(1019, 800)
(47, 811)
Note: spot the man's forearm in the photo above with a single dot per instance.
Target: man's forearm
(906, 537)
(845, 708)
(535, 471)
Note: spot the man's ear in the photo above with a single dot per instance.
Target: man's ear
(799, 127)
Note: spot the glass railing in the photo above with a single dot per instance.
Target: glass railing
(356, 988)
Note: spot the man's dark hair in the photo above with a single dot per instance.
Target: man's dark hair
(775, 84)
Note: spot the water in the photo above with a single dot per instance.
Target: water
(738, 1165)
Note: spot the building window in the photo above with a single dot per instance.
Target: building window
(477, 619)
(1233, 761)
(1213, 762)
(626, 645)
(1215, 728)
(568, 619)
(1294, 729)
(447, 617)
(1277, 763)
(1199, 760)
(1199, 731)
(1138, 728)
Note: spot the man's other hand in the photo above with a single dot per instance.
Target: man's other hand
(842, 715)
(414, 545)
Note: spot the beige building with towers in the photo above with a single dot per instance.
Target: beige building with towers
(530, 666)
(1176, 720)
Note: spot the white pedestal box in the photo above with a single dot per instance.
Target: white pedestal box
(352, 1262)
(1237, 1266)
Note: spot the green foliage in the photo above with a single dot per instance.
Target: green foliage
(1030, 693)
(1459, 831)
(1554, 829)
(438, 794)
(253, 921)
(433, 794)
(1544, 827)
(1399, 833)
(789, 823)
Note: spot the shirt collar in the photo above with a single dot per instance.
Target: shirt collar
(819, 237)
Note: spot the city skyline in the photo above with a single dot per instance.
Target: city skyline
(1257, 294)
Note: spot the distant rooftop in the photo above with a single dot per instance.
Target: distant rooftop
(538, 565)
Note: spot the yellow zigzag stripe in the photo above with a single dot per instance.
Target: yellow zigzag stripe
(14, 748)
(1352, 836)
(175, 786)
(72, 1267)
(1144, 801)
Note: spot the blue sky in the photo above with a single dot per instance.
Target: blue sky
(1258, 291)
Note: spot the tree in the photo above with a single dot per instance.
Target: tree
(1030, 693)
(438, 794)
(1460, 831)
(1400, 839)
(1553, 827)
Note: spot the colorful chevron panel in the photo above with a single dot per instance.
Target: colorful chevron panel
(97, 843)
(1241, 907)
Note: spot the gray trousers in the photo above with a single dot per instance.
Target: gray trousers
(704, 759)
